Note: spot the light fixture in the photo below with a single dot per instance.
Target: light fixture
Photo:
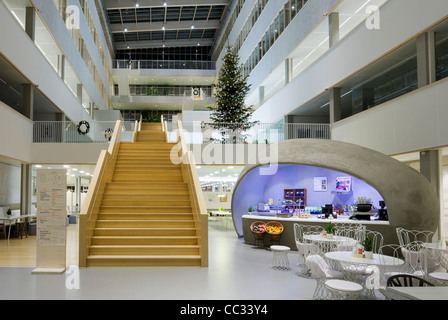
(66, 166)
(164, 3)
(137, 5)
(163, 27)
(192, 27)
(74, 169)
(38, 166)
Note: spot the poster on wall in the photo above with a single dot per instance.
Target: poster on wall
(343, 184)
(51, 221)
(320, 184)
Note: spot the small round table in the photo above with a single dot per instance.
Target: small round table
(280, 260)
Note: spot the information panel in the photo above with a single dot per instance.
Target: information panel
(51, 221)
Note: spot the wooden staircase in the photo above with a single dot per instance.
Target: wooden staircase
(146, 216)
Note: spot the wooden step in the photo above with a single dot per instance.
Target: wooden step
(145, 216)
(151, 125)
(163, 250)
(144, 240)
(137, 203)
(144, 232)
(144, 179)
(144, 261)
(129, 190)
(146, 197)
(145, 209)
(146, 167)
(145, 145)
(145, 224)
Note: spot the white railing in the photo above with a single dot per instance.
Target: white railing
(67, 132)
(261, 133)
(165, 64)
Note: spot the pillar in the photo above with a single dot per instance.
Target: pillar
(289, 71)
(333, 28)
(30, 17)
(431, 168)
(25, 189)
(426, 59)
(28, 101)
(335, 105)
(79, 92)
(261, 95)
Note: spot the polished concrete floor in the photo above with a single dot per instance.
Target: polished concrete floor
(236, 271)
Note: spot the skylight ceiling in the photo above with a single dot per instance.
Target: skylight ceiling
(140, 24)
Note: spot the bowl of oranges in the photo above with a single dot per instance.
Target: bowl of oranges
(274, 229)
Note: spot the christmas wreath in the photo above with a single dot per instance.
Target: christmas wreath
(86, 128)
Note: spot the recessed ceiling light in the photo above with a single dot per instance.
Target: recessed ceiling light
(38, 166)
(137, 5)
(230, 167)
(73, 175)
(74, 169)
(66, 166)
(81, 171)
(192, 27)
(125, 29)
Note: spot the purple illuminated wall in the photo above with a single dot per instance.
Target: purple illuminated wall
(254, 188)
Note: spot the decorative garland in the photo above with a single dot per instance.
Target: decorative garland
(108, 134)
(86, 124)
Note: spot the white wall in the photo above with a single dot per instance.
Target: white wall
(411, 122)
(67, 153)
(10, 181)
(16, 134)
(20, 50)
(401, 20)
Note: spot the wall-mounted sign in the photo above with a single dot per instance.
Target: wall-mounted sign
(320, 184)
(343, 184)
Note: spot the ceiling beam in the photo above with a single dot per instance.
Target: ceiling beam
(126, 4)
(157, 26)
(158, 44)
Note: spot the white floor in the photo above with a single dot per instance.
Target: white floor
(237, 271)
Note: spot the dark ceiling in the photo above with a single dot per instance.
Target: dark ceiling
(142, 24)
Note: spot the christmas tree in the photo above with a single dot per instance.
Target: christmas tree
(230, 112)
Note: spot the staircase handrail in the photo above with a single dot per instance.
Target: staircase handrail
(189, 166)
(91, 205)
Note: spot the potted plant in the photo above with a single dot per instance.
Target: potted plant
(250, 210)
(330, 229)
(9, 212)
(368, 247)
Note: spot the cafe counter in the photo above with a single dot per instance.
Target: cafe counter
(287, 236)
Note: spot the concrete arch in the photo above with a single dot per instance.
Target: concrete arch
(411, 200)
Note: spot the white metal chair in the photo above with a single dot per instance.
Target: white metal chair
(354, 232)
(304, 249)
(406, 236)
(330, 284)
(378, 239)
(280, 260)
(418, 261)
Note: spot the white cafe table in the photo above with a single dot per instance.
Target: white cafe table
(11, 219)
(417, 293)
(329, 242)
(356, 269)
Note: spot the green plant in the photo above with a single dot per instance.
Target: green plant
(250, 209)
(367, 243)
(9, 212)
(330, 228)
